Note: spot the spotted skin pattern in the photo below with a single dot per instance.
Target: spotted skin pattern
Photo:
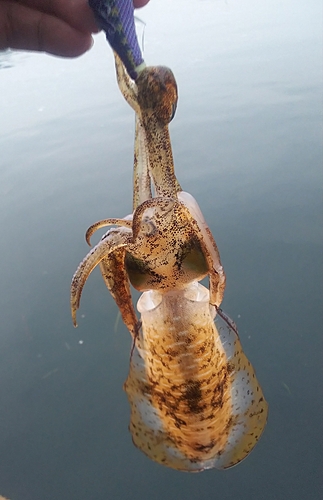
(195, 400)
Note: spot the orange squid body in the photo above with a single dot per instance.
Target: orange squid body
(195, 400)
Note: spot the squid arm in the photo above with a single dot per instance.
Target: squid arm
(157, 98)
(116, 279)
(93, 258)
(153, 97)
(104, 223)
(142, 181)
(141, 167)
(127, 86)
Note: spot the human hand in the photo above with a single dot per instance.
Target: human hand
(59, 27)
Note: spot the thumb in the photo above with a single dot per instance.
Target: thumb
(27, 29)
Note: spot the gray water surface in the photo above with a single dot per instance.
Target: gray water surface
(247, 144)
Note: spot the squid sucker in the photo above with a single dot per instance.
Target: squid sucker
(195, 401)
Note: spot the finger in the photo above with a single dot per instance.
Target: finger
(139, 3)
(76, 13)
(27, 29)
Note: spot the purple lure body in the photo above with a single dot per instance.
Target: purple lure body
(116, 18)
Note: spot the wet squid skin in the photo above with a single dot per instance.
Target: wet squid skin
(195, 400)
(166, 243)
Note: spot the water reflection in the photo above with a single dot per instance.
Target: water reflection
(249, 146)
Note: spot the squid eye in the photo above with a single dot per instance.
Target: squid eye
(148, 227)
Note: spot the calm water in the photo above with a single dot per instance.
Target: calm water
(247, 145)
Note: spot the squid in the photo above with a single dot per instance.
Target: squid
(195, 401)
